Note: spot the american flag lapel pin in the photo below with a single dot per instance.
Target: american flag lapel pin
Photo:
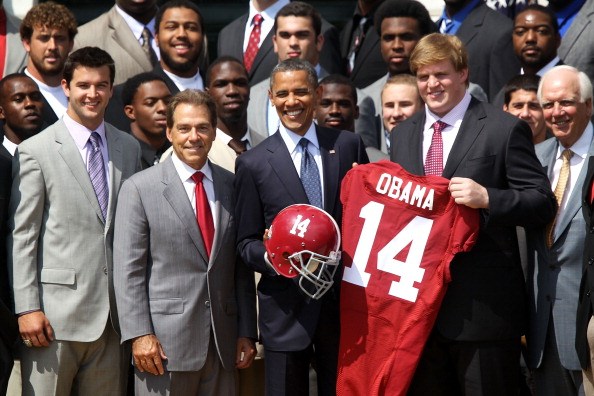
(332, 151)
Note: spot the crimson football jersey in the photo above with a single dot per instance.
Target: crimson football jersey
(399, 234)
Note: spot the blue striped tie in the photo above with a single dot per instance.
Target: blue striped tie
(310, 176)
(97, 172)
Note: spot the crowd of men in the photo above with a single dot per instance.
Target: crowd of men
(138, 180)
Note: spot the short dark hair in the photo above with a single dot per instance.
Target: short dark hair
(521, 81)
(13, 76)
(192, 97)
(339, 79)
(92, 57)
(404, 9)
(544, 10)
(132, 84)
(300, 9)
(50, 15)
(177, 4)
(296, 64)
(218, 61)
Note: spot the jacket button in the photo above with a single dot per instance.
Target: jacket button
(591, 261)
(591, 230)
(588, 293)
(105, 270)
(207, 304)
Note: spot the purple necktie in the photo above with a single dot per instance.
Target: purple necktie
(97, 173)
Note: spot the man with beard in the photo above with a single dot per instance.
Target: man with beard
(145, 99)
(228, 84)
(21, 109)
(126, 32)
(535, 38)
(179, 35)
(47, 33)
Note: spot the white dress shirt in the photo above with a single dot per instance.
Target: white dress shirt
(137, 29)
(55, 96)
(184, 83)
(185, 173)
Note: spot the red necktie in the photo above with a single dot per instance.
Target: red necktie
(434, 160)
(592, 193)
(253, 43)
(203, 214)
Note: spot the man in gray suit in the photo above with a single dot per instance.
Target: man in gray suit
(555, 253)
(127, 33)
(65, 188)
(186, 304)
(297, 34)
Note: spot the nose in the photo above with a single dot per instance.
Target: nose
(530, 35)
(334, 108)
(397, 43)
(161, 107)
(92, 91)
(432, 81)
(557, 109)
(524, 113)
(293, 40)
(51, 43)
(181, 31)
(28, 102)
(231, 90)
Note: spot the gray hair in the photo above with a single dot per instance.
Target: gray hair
(296, 65)
(584, 82)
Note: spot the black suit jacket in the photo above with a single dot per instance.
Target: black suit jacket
(231, 43)
(586, 299)
(487, 35)
(369, 65)
(486, 298)
(266, 182)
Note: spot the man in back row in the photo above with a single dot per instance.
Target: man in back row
(474, 347)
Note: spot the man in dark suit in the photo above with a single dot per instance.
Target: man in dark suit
(488, 155)
(234, 40)
(293, 328)
(21, 109)
(360, 45)
(487, 36)
(187, 306)
(48, 32)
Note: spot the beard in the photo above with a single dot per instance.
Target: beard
(180, 67)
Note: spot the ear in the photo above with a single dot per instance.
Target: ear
(27, 45)
(129, 111)
(65, 88)
(168, 133)
(2, 116)
(275, 46)
(505, 108)
(356, 113)
(270, 96)
(320, 42)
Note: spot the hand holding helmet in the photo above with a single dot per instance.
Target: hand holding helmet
(303, 241)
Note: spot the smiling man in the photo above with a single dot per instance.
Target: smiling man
(175, 226)
(293, 327)
(520, 99)
(488, 155)
(179, 35)
(145, 99)
(47, 32)
(65, 188)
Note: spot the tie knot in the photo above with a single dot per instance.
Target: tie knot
(439, 126)
(303, 143)
(197, 177)
(95, 140)
(258, 19)
(239, 146)
(567, 154)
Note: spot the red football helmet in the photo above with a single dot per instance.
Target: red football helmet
(304, 241)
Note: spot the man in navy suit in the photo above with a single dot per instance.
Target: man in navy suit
(293, 328)
(474, 347)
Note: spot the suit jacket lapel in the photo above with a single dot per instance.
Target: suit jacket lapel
(414, 141)
(223, 195)
(574, 201)
(71, 156)
(264, 49)
(330, 164)
(175, 194)
(588, 180)
(116, 161)
(282, 164)
(472, 126)
(123, 36)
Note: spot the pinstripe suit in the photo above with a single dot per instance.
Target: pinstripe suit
(164, 282)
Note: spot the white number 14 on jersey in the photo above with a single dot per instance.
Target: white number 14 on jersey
(415, 233)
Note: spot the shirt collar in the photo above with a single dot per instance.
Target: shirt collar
(222, 136)
(185, 171)
(81, 133)
(134, 25)
(183, 83)
(566, 15)
(582, 145)
(454, 21)
(292, 139)
(546, 67)
(268, 13)
(9, 146)
(453, 117)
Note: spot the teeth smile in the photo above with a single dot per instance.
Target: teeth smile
(293, 113)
